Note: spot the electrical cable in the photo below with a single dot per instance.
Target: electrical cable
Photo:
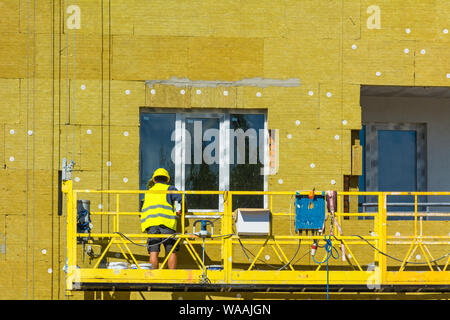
(399, 260)
(267, 264)
(223, 236)
(329, 249)
(92, 255)
(142, 245)
(295, 254)
(244, 249)
(306, 253)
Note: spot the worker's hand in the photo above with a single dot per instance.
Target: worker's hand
(179, 213)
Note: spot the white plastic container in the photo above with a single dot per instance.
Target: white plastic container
(253, 222)
(118, 265)
(144, 266)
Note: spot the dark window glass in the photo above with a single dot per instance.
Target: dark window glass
(247, 175)
(200, 175)
(397, 167)
(156, 145)
(202, 140)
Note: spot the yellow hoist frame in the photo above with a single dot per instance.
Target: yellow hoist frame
(382, 277)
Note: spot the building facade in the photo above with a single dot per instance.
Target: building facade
(107, 83)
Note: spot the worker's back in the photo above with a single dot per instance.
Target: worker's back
(158, 208)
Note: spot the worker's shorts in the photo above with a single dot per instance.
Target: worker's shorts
(153, 244)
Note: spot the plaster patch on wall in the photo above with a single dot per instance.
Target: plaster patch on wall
(252, 82)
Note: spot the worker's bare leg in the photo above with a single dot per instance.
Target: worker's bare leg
(172, 262)
(154, 259)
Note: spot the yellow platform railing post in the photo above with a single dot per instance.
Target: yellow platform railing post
(227, 249)
(382, 243)
(67, 188)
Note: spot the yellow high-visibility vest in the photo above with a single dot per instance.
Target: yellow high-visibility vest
(156, 210)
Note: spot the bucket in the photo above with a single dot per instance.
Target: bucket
(144, 266)
(214, 267)
(118, 265)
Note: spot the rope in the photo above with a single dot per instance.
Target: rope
(33, 209)
(34, 133)
(329, 249)
(74, 87)
(68, 119)
(28, 106)
(67, 122)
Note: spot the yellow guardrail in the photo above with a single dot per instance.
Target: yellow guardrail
(291, 276)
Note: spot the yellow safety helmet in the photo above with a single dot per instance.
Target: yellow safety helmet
(161, 172)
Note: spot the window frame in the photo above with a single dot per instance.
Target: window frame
(223, 115)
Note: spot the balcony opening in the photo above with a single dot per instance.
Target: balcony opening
(406, 146)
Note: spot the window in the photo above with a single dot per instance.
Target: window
(214, 150)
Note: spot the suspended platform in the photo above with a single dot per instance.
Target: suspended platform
(358, 261)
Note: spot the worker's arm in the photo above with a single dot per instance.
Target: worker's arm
(178, 198)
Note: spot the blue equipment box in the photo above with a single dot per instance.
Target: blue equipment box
(309, 213)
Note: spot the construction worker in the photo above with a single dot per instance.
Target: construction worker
(160, 217)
